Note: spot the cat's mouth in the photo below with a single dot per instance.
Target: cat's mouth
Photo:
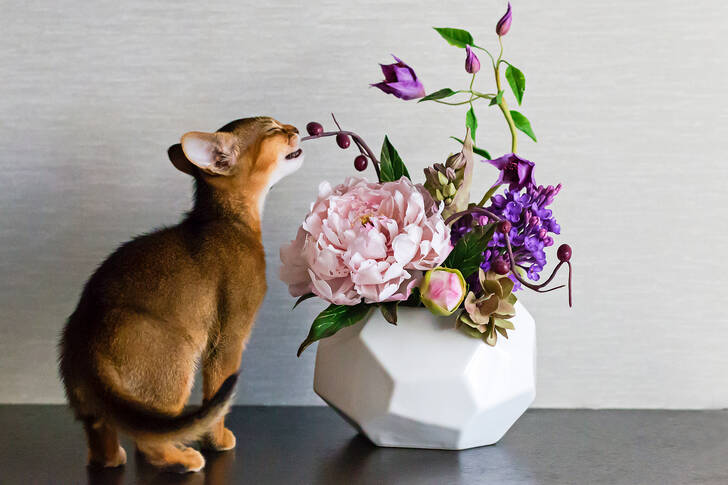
(294, 155)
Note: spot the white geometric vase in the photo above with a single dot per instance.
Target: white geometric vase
(423, 384)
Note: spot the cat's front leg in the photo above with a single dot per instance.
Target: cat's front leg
(221, 362)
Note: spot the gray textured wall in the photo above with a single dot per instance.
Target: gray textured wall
(628, 99)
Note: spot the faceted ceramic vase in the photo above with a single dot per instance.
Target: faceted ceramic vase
(423, 384)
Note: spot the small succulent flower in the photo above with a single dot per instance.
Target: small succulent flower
(400, 80)
(504, 24)
(487, 315)
(472, 63)
(450, 183)
(442, 290)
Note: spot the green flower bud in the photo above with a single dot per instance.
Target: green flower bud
(442, 178)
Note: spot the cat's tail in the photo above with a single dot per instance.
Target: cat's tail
(138, 421)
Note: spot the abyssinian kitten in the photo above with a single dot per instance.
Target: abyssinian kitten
(176, 298)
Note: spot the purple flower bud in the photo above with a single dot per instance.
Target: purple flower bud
(472, 63)
(400, 80)
(535, 221)
(504, 24)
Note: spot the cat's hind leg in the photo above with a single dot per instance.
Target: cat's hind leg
(104, 449)
(218, 365)
(172, 456)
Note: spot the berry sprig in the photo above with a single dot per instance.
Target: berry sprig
(343, 140)
(502, 267)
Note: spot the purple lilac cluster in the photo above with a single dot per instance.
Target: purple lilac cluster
(531, 220)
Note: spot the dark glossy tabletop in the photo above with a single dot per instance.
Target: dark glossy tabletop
(310, 445)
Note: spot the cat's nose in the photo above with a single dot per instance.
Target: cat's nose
(294, 140)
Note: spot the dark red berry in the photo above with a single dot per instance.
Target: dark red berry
(343, 140)
(314, 129)
(564, 253)
(360, 163)
(501, 266)
(505, 227)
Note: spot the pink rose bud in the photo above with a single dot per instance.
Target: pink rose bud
(442, 290)
(472, 63)
(504, 24)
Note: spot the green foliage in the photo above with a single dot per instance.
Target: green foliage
(389, 311)
(523, 124)
(467, 254)
(517, 81)
(302, 299)
(391, 166)
(471, 121)
(333, 319)
(457, 37)
(497, 100)
(442, 93)
(479, 151)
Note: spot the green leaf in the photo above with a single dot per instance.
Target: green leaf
(389, 311)
(457, 37)
(333, 319)
(517, 81)
(498, 98)
(443, 93)
(471, 332)
(302, 299)
(480, 151)
(490, 336)
(523, 124)
(467, 254)
(471, 121)
(502, 323)
(391, 166)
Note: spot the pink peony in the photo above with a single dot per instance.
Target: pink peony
(366, 240)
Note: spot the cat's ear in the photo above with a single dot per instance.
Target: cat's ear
(179, 160)
(214, 153)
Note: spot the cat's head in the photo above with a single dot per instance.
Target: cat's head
(247, 156)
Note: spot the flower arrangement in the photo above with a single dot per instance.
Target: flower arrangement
(394, 242)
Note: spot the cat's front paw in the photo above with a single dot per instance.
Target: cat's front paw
(221, 441)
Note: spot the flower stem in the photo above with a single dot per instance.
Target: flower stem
(488, 195)
(451, 104)
(357, 139)
(503, 105)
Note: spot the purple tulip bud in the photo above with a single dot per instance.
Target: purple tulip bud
(400, 80)
(504, 24)
(472, 63)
